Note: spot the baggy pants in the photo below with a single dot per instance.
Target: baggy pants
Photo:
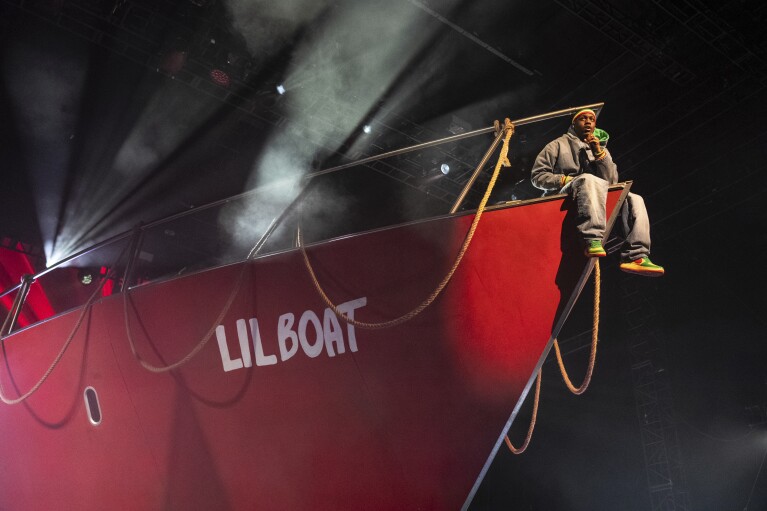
(590, 195)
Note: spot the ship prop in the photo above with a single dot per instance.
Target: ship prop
(350, 373)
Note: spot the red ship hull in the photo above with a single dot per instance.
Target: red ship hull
(288, 407)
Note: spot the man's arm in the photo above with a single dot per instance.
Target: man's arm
(603, 165)
(543, 174)
(606, 168)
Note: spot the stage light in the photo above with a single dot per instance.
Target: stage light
(86, 276)
(445, 168)
(366, 128)
(280, 89)
(220, 77)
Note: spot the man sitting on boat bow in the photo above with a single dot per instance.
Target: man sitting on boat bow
(578, 163)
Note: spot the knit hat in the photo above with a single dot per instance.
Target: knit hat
(584, 111)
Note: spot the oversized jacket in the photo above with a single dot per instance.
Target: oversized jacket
(570, 156)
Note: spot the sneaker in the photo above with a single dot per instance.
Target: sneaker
(643, 266)
(594, 248)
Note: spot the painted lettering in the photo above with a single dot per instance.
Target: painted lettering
(311, 350)
(285, 332)
(311, 334)
(348, 308)
(242, 335)
(331, 330)
(258, 348)
(229, 364)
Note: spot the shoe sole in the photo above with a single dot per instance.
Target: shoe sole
(644, 273)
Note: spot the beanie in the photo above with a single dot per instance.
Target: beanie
(584, 111)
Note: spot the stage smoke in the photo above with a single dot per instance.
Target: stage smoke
(167, 120)
(45, 91)
(348, 58)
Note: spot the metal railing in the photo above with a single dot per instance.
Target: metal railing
(146, 238)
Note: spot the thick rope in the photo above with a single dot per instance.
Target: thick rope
(63, 349)
(502, 161)
(575, 390)
(594, 338)
(200, 345)
(523, 448)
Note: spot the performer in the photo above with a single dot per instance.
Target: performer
(578, 163)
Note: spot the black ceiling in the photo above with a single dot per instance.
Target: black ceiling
(107, 123)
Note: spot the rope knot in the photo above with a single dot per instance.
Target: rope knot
(508, 125)
(508, 129)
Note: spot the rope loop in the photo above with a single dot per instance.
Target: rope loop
(587, 379)
(503, 160)
(86, 308)
(523, 447)
(200, 345)
(594, 339)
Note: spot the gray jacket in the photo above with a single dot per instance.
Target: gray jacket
(569, 156)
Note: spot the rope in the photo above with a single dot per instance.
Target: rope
(594, 337)
(63, 349)
(502, 161)
(523, 448)
(575, 390)
(200, 345)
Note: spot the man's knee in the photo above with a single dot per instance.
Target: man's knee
(634, 210)
(589, 182)
(636, 200)
(589, 178)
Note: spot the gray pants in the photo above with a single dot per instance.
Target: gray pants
(590, 195)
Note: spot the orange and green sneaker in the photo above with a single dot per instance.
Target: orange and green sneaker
(594, 248)
(643, 266)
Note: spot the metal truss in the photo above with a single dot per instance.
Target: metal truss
(655, 407)
(744, 76)
(624, 30)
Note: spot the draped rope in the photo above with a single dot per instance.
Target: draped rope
(523, 447)
(587, 379)
(86, 308)
(200, 345)
(594, 339)
(503, 160)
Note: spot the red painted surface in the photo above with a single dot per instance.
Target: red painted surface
(405, 422)
(13, 265)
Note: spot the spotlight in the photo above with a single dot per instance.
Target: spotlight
(220, 77)
(281, 89)
(445, 168)
(366, 128)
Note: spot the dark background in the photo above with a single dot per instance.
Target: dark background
(106, 124)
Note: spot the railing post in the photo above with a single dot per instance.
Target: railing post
(276, 221)
(133, 250)
(477, 170)
(18, 303)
